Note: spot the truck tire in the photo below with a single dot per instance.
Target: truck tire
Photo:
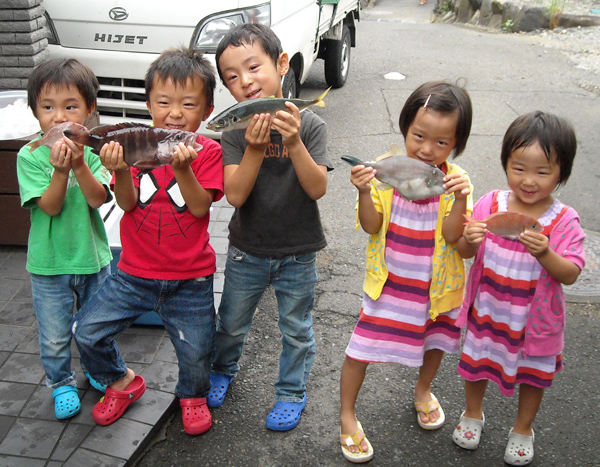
(337, 60)
(289, 88)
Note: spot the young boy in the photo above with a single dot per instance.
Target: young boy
(167, 263)
(68, 255)
(275, 171)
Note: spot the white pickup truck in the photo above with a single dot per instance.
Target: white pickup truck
(119, 39)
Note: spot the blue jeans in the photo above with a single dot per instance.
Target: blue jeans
(186, 308)
(54, 298)
(246, 278)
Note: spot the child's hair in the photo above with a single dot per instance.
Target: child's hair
(180, 65)
(61, 72)
(248, 33)
(554, 134)
(445, 98)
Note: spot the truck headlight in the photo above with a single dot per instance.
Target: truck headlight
(211, 30)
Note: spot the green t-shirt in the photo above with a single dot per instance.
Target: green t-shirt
(74, 241)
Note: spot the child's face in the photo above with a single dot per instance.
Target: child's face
(531, 177)
(250, 73)
(60, 104)
(178, 107)
(431, 136)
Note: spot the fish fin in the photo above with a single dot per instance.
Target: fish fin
(33, 145)
(319, 100)
(382, 185)
(469, 219)
(351, 160)
(395, 150)
(102, 130)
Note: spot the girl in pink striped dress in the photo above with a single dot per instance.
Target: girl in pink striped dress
(415, 277)
(514, 307)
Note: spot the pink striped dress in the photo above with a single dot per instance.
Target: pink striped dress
(396, 327)
(497, 319)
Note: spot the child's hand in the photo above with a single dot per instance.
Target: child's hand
(258, 133)
(536, 243)
(60, 157)
(76, 153)
(183, 156)
(457, 184)
(288, 124)
(474, 232)
(361, 177)
(111, 156)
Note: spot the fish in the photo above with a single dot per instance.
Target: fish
(144, 147)
(238, 116)
(508, 224)
(54, 134)
(412, 178)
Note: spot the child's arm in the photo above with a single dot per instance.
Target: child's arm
(197, 199)
(91, 188)
(370, 219)
(240, 179)
(51, 202)
(471, 240)
(453, 226)
(313, 177)
(111, 156)
(561, 269)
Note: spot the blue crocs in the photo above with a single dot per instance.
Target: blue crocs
(94, 383)
(218, 389)
(66, 402)
(285, 415)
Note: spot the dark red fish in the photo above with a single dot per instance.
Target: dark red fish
(144, 147)
(54, 134)
(508, 224)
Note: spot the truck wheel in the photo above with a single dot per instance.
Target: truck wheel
(288, 87)
(337, 60)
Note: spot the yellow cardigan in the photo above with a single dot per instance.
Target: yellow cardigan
(448, 277)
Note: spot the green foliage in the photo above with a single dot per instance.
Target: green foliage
(508, 26)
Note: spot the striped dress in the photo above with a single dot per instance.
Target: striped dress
(498, 317)
(396, 327)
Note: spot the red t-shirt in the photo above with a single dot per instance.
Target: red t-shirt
(160, 238)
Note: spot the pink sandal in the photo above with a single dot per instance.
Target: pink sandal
(195, 415)
(114, 403)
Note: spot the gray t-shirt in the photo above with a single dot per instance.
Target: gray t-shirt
(278, 219)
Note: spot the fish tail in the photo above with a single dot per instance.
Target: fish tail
(319, 100)
(469, 219)
(351, 160)
(34, 145)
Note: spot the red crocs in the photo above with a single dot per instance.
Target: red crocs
(196, 415)
(110, 408)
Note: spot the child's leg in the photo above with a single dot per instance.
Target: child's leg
(53, 302)
(351, 379)
(427, 372)
(530, 399)
(474, 394)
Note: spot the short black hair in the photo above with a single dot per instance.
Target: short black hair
(248, 33)
(445, 98)
(181, 64)
(62, 72)
(555, 135)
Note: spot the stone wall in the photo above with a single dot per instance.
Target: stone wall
(23, 43)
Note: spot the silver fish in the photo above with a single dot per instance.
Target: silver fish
(412, 178)
(144, 147)
(238, 116)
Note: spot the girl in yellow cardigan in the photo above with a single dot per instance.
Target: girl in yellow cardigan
(415, 278)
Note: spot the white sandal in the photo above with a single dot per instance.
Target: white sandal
(519, 449)
(467, 433)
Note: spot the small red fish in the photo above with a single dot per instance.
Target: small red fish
(54, 134)
(508, 224)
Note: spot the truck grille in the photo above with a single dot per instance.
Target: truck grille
(123, 99)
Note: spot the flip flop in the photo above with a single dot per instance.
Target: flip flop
(519, 449)
(66, 402)
(467, 433)
(195, 415)
(110, 408)
(95, 384)
(355, 440)
(427, 408)
(285, 415)
(218, 389)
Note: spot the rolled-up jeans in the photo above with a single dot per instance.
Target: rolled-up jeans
(293, 279)
(186, 308)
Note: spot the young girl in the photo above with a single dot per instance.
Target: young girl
(415, 277)
(514, 308)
